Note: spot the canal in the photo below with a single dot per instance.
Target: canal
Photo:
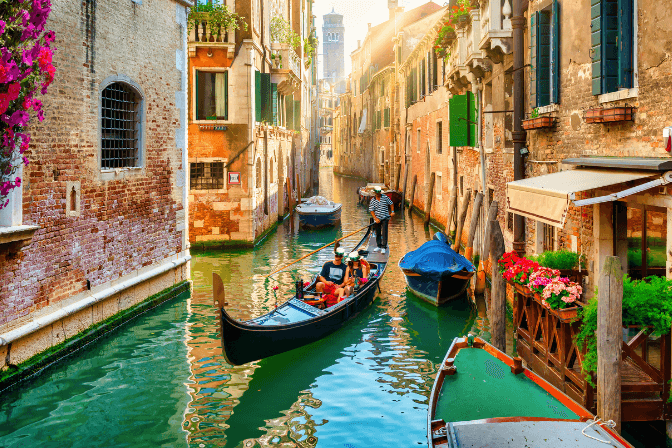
(162, 380)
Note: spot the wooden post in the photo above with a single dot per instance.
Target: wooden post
(484, 262)
(452, 204)
(464, 207)
(298, 189)
(609, 341)
(288, 187)
(498, 292)
(430, 197)
(475, 211)
(398, 179)
(404, 201)
(415, 181)
(219, 298)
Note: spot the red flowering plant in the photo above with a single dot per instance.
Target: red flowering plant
(447, 31)
(25, 68)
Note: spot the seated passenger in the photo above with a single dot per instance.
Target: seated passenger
(330, 280)
(357, 269)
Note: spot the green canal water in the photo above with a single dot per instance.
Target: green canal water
(161, 380)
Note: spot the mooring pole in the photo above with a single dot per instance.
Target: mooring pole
(406, 170)
(609, 341)
(298, 189)
(398, 178)
(415, 181)
(475, 212)
(430, 197)
(498, 291)
(452, 205)
(484, 262)
(464, 208)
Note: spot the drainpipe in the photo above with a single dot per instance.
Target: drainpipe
(519, 136)
(479, 133)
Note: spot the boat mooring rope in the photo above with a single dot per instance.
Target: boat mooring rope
(610, 423)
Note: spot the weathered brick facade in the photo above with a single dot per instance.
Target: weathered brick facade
(100, 227)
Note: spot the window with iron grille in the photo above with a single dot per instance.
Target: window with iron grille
(207, 176)
(120, 126)
(548, 235)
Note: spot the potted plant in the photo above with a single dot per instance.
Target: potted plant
(457, 15)
(569, 264)
(534, 121)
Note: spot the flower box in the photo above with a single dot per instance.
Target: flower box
(593, 116)
(563, 314)
(538, 123)
(618, 114)
(520, 289)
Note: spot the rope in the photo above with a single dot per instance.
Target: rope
(610, 423)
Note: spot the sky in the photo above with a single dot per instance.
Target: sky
(356, 15)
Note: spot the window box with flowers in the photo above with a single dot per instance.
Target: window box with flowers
(534, 121)
(558, 294)
(608, 115)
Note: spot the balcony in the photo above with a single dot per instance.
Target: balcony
(205, 36)
(475, 60)
(285, 68)
(496, 32)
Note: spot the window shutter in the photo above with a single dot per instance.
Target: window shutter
(289, 113)
(596, 45)
(257, 96)
(625, 44)
(226, 95)
(472, 109)
(274, 108)
(555, 53)
(543, 74)
(435, 80)
(534, 21)
(610, 30)
(297, 115)
(387, 117)
(457, 112)
(266, 98)
(197, 109)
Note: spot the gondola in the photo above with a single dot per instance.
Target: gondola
(482, 397)
(297, 322)
(365, 194)
(435, 272)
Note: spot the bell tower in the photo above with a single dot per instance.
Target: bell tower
(333, 45)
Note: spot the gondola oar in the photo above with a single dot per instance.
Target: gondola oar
(317, 250)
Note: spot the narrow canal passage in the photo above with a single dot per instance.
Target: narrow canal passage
(162, 380)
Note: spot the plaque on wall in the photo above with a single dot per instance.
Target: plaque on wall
(234, 178)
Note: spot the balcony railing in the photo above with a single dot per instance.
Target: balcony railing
(496, 33)
(203, 34)
(285, 68)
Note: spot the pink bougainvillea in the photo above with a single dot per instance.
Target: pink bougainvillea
(25, 68)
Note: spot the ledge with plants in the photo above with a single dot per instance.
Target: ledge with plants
(546, 285)
(212, 21)
(457, 15)
(536, 121)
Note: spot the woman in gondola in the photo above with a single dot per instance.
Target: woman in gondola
(356, 272)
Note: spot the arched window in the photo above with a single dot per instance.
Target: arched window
(120, 126)
(258, 176)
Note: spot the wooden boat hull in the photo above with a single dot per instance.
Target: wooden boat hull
(364, 196)
(450, 287)
(319, 220)
(279, 331)
(560, 422)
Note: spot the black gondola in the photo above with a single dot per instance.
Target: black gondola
(296, 323)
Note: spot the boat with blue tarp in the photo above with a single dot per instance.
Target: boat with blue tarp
(435, 272)
(318, 211)
(483, 398)
(304, 318)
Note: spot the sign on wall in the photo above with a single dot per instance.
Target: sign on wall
(234, 178)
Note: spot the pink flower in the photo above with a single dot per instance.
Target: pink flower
(18, 118)
(275, 288)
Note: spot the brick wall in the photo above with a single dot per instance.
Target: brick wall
(128, 220)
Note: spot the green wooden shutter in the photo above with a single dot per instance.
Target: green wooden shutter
(297, 115)
(387, 118)
(274, 107)
(543, 58)
(625, 44)
(457, 113)
(596, 45)
(473, 119)
(266, 98)
(257, 96)
(555, 53)
(610, 53)
(197, 115)
(226, 95)
(534, 21)
(289, 113)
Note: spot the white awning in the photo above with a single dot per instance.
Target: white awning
(547, 198)
(362, 124)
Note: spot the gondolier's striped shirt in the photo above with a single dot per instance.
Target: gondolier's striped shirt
(381, 208)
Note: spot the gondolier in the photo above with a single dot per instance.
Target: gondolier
(381, 208)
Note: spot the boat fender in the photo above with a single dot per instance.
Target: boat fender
(449, 367)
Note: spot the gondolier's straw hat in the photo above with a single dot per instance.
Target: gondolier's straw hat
(377, 189)
(354, 256)
(340, 251)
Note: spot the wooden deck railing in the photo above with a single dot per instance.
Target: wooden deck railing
(545, 340)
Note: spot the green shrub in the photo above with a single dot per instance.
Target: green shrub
(560, 259)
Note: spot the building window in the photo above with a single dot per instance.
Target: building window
(207, 176)
(417, 143)
(439, 137)
(491, 195)
(438, 188)
(612, 45)
(547, 237)
(545, 53)
(120, 126)
(461, 185)
(212, 93)
(509, 221)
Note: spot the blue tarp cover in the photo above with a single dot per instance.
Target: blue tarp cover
(434, 259)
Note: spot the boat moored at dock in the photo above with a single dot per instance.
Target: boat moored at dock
(317, 212)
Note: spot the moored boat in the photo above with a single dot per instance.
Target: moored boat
(435, 272)
(298, 322)
(365, 194)
(483, 398)
(317, 211)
